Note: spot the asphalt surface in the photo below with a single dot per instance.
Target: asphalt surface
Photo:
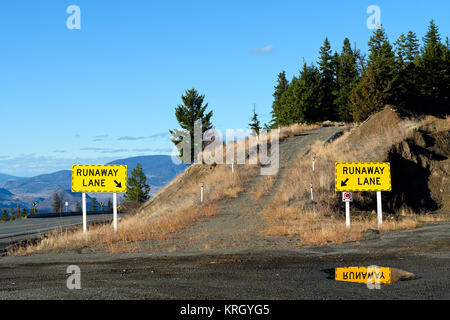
(18, 230)
(263, 274)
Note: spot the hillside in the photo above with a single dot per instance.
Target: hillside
(5, 177)
(244, 210)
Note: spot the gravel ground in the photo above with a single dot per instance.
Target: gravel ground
(227, 274)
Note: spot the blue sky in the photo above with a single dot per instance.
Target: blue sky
(108, 90)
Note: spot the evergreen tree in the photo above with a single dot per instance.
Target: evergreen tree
(346, 79)
(379, 83)
(327, 70)
(12, 215)
(94, 204)
(5, 216)
(280, 89)
(407, 49)
(192, 111)
(432, 68)
(24, 213)
(254, 123)
(57, 203)
(370, 95)
(307, 108)
(382, 59)
(78, 207)
(109, 205)
(138, 188)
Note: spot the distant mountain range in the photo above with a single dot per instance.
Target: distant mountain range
(159, 169)
(5, 177)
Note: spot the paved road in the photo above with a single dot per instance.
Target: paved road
(21, 229)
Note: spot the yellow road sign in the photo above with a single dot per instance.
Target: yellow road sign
(373, 274)
(362, 176)
(99, 178)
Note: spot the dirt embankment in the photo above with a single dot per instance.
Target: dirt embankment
(420, 169)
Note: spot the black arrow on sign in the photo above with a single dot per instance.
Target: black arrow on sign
(344, 183)
(119, 184)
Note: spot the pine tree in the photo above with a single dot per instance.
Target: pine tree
(109, 205)
(192, 111)
(327, 70)
(24, 213)
(78, 207)
(5, 216)
(346, 79)
(57, 203)
(138, 189)
(94, 204)
(382, 59)
(254, 123)
(432, 67)
(379, 83)
(370, 95)
(308, 89)
(280, 89)
(407, 49)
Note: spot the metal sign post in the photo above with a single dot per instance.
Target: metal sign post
(347, 197)
(201, 194)
(379, 209)
(84, 211)
(115, 211)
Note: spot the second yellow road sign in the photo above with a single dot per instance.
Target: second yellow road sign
(99, 178)
(362, 176)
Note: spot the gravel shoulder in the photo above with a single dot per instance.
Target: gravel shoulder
(259, 274)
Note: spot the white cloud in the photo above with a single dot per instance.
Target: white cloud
(264, 50)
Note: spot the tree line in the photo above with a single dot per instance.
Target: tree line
(347, 86)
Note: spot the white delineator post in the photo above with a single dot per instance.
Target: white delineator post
(312, 197)
(201, 194)
(83, 200)
(232, 166)
(115, 211)
(314, 158)
(379, 209)
(347, 214)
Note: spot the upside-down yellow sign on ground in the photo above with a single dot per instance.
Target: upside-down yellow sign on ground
(362, 176)
(99, 178)
(373, 274)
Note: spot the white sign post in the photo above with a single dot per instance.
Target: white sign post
(379, 209)
(201, 194)
(115, 211)
(84, 211)
(347, 214)
(347, 197)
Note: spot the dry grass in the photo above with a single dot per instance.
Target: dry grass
(315, 227)
(263, 188)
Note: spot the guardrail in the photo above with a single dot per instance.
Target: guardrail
(67, 214)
